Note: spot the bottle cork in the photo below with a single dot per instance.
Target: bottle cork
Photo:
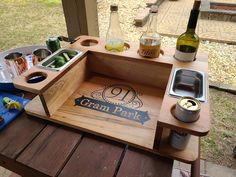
(196, 5)
(114, 7)
(154, 9)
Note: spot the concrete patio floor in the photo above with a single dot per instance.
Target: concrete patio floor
(173, 18)
(206, 167)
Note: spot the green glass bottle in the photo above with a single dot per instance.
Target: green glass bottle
(53, 44)
(188, 42)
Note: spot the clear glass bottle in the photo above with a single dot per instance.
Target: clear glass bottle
(188, 42)
(150, 41)
(114, 37)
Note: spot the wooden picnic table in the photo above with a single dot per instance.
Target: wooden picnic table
(33, 147)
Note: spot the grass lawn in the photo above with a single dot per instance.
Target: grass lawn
(27, 22)
(217, 146)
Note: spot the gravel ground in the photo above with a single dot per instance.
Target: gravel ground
(222, 57)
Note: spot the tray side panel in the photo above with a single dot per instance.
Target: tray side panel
(59, 92)
(142, 72)
(20, 82)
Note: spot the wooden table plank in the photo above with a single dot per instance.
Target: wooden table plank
(16, 136)
(49, 152)
(140, 163)
(93, 157)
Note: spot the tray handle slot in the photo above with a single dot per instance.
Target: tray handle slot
(35, 80)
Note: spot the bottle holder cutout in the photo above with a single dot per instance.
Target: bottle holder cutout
(36, 77)
(89, 42)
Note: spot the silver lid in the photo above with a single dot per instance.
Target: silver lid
(153, 9)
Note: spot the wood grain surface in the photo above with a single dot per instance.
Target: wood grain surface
(151, 77)
(53, 142)
(15, 137)
(94, 157)
(107, 125)
(20, 82)
(59, 92)
(31, 147)
(147, 73)
(200, 127)
(140, 163)
(61, 151)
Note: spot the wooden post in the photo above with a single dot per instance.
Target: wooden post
(81, 17)
(195, 166)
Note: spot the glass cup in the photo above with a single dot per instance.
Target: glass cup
(5, 76)
(40, 54)
(15, 63)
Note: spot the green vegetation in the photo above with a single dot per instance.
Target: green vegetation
(27, 22)
(218, 145)
(50, 3)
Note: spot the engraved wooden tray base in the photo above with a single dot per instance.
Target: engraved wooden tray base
(121, 96)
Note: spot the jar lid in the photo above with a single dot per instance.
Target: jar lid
(196, 5)
(114, 7)
(154, 9)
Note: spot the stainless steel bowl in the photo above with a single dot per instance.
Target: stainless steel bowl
(186, 82)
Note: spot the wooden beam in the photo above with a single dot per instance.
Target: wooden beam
(81, 17)
(92, 17)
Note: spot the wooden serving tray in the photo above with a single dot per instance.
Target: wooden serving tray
(121, 96)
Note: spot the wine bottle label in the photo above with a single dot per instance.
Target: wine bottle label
(182, 56)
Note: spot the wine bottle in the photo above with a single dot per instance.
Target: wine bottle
(188, 42)
(114, 37)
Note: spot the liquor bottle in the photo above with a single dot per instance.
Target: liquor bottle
(114, 37)
(188, 42)
(150, 41)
